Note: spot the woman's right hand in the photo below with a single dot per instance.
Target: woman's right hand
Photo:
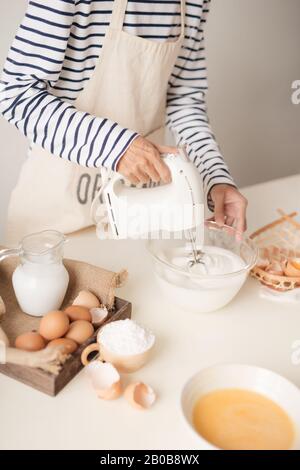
(142, 162)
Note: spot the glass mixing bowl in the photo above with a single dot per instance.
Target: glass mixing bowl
(202, 292)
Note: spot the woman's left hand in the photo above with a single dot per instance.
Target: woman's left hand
(230, 206)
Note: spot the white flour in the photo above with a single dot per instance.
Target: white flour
(125, 337)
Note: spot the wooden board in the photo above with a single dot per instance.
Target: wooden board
(52, 384)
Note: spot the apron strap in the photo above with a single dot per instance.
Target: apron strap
(182, 10)
(119, 9)
(118, 13)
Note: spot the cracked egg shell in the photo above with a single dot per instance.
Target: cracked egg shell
(293, 268)
(99, 315)
(86, 299)
(140, 395)
(275, 267)
(105, 379)
(262, 263)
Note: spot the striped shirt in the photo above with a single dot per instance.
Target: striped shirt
(53, 55)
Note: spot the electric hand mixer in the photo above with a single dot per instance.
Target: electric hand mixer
(175, 207)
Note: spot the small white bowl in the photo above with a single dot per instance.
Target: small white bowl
(255, 379)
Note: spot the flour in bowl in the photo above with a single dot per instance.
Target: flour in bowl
(125, 337)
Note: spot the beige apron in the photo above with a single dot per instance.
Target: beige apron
(129, 86)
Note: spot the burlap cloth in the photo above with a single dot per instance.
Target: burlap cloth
(82, 276)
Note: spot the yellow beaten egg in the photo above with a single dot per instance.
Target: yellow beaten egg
(236, 419)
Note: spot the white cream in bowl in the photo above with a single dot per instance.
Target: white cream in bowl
(211, 284)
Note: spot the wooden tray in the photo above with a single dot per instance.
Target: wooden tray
(82, 276)
(52, 384)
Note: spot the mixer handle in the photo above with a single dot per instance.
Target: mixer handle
(172, 163)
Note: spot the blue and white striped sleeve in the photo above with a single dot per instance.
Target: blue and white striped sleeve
(187, 112)
(34, 62)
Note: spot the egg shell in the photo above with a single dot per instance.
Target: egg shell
(264, 253)
(31, 341)
(296, 263)
(291, 269)
(54, 325)
(87, 299)
(69, 346)
(275, 253)
(76, 312)
(275, 267)
(262, 263)
(105, 380)
(80, 331)
(99, 315)
(140, 395)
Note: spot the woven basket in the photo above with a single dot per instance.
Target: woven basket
(282, 235)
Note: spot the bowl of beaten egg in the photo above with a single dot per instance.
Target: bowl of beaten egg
(241, 407)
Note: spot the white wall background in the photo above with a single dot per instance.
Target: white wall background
(253, 49)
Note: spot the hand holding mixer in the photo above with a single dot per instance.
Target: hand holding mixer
(134, 212)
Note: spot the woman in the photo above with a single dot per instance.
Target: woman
(93, 83)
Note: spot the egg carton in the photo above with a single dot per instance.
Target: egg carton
(277, 242)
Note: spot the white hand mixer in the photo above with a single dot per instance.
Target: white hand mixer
(175, 207)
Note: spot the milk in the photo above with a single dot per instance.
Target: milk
(40, 288)
(194, 290)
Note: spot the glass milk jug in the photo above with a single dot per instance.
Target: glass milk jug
(41, 280)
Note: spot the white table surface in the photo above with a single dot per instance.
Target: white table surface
(249, 330)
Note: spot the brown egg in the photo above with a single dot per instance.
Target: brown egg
(31, 341)
(68, 344)
(76, 312)
(80, 331)
(86, 299)
(54, 325)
